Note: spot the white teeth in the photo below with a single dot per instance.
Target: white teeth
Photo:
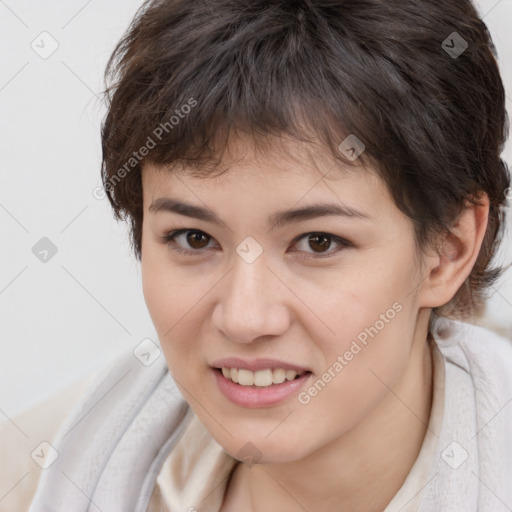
(290, 374)
(245, 377)
(263, 378)
(278, 376)
(260, 378)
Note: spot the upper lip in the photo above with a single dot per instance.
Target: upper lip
(256, 364)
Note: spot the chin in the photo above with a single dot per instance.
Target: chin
(259, 450)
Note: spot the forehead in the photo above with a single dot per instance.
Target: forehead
(272, 157)
(282, 172)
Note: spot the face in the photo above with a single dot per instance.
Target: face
(332, 295)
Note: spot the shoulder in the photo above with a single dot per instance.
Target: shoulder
(116, 437)
(478, 415)
(478, 350)
(486, 358)
(22, 445)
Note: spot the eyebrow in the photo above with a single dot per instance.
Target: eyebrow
(167, 204)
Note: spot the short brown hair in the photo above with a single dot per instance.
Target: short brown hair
(188, 73)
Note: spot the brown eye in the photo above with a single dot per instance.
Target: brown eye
(196, 239)
(320, 244)
(187, 241)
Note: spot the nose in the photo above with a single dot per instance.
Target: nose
(251, 303)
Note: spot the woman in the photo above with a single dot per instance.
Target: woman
(315, 193)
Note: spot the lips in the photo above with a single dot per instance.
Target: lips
(258, 397)
(247, 382)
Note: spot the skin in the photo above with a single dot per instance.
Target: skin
(339, 451)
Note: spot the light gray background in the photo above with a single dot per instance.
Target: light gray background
(61, 320)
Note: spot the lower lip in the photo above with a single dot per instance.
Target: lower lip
(253, 397)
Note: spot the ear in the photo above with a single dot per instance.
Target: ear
(456, 254)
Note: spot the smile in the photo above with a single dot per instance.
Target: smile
(260, 378)
(255, 390)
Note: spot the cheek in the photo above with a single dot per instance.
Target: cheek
(364, 303)
(155, 294)
(173, 300)
(372, 318)
(163, 303)
(166, 293)
(357, 377)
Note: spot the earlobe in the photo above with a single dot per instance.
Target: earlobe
(456, 254)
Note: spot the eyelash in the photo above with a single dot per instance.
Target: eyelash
(168, 239)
